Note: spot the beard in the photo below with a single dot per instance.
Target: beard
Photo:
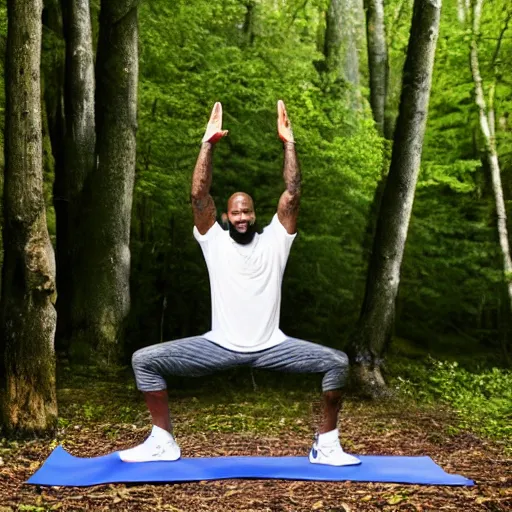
(242, 238)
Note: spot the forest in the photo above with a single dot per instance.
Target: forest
(401, 116)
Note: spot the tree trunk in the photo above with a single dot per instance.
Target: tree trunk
(375, 324)
(340, 44)
(377, 60)
(102, 297)
(27, 313)
(379, 72)
(79, 143)
(248, 26)
(487, 128)
(401, 7)
(461, 11)
(52, 70)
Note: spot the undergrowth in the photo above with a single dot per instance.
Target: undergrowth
(482, 398)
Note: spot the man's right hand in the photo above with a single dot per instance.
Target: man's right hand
(214, 131)
(284, 127)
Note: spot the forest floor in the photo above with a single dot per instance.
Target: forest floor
(225, 415)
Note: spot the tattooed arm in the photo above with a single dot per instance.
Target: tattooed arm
(288, 208)
(202, 202)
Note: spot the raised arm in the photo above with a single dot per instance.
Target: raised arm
(202, 202)
(288, 208)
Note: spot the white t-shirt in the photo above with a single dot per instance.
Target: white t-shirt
(245, 284)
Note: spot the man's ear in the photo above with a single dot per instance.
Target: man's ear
(224, 219)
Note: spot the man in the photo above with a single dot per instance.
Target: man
(246, 271)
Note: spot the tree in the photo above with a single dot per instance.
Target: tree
(374, 327)
(451, 297)
(377, 61)
(27, 313)
(78, 162)
(340, 43)
(102, 293)
(248, 25)
(487, 127)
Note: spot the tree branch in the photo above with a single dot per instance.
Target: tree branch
(500, 39)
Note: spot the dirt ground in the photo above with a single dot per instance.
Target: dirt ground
(366, 429)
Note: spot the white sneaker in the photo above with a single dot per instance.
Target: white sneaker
(160, 445)
(327, 450)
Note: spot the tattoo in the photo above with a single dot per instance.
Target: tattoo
(288, 208)
(292, 177)
(204, 210)
(202, 178)
(202, 202)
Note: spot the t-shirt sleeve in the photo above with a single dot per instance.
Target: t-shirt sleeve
(207, 240)
(282, 238)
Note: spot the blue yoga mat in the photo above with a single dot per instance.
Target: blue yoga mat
(64, 469)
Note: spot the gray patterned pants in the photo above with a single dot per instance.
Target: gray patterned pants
(197, 356)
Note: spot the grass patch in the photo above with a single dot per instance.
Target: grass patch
(258, 411)
(232, 401)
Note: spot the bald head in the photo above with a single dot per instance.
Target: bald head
(241, 211)
(240, 197)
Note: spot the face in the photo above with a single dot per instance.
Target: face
(241, 212)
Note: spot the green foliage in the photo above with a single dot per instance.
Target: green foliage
(482, 398)
(452, 282)
(208, 57)
(452, 278)
(192, 55)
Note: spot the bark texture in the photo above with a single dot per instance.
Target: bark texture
(78, 161)
(374, 328)
(52, 70)
(102, 294)
(377, 60)
(463, 7)
(27, 314)
(340, 43)
(486, 117)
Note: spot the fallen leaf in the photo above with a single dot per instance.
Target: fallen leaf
(397, 498)
(230, 493)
